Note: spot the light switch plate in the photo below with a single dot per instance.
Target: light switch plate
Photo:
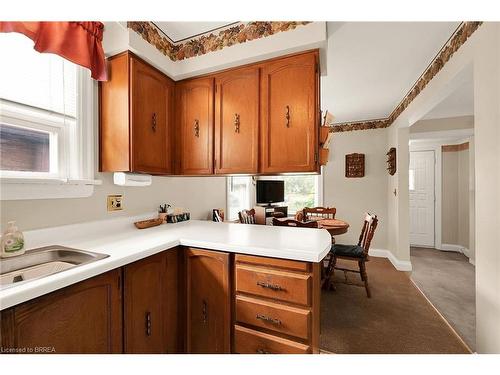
(115, 202)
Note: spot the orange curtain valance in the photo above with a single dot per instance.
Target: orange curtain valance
(79, 42)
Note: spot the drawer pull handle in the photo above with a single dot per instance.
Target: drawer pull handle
(274, 287)
(269, 319)
(262, 351)
(148, 323)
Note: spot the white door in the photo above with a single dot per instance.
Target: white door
(421, 179)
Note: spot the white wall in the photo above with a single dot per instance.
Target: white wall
(482, 50)
(443, 124)
(197, 194)
(487, 169)
(354, 196)
(455, 198)
(449, 203)
(118, 38)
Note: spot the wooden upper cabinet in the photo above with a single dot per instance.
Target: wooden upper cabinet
(208, 302)
(82, 318)
(194, 126)
(135, 114)
(237, 121)
(151, 94)
(290, 114)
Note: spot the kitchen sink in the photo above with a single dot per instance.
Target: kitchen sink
(41, 262)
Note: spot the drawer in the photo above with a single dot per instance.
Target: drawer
(249, 341)
(274, 262)
(281, 285)
(285, 319)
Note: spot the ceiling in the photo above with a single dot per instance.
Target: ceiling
(178, 31)
(459, 103)
(372, 65)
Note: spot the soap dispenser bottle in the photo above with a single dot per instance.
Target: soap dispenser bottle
(12, 241)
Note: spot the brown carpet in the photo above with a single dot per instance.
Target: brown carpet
(448, 280)
(397, 319)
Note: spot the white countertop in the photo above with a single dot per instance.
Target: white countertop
(125, 244)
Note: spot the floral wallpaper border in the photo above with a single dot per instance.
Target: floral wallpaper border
(463, 33)
(206, 43)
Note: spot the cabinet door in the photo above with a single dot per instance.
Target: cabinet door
(208, 302)
(151, 97)
(145, 304)
(237, 121)
(195, 126)
(82, 318)
(290, 114)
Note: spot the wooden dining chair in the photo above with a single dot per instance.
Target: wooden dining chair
(357, 253)
(247, 216)
(294, 223)
(309, 213)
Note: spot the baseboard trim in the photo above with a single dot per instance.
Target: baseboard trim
(451, 247)
(400, 265)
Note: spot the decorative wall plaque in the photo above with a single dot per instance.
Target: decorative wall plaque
(391, 161)
(355, 165)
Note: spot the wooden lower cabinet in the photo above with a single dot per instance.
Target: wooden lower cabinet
(277, 305)
(208, 302)
(180, 300)
(83, 318)
(149, 304)
(249, 341)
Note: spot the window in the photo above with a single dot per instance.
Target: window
(300, 191)
(46, 116)
(240, 195)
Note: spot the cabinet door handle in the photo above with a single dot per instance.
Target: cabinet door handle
(236, 123)
(204, 312)
(153, 123)
(269, 319)
(148, 323)
(287, 116)
(262, 351)
(196, 128)
(267, 285)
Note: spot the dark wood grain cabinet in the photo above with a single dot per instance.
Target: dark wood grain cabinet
(195, 126)
(135, 118)
(182, 300)
(208, 302)
(149, 304)
(262, 118)
(290, 114)
(237, 121)
(83, 318)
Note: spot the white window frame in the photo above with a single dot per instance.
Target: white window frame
(75, 143)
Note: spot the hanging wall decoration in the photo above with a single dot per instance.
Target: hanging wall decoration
(391, 161)
(355, 165)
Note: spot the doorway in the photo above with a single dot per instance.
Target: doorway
(422, 198)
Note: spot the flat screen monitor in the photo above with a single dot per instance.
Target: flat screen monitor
(270, 191)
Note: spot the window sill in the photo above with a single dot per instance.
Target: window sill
(45, 188)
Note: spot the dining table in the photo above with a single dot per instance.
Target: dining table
(335, 227)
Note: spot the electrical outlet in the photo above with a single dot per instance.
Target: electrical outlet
(115, 202)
